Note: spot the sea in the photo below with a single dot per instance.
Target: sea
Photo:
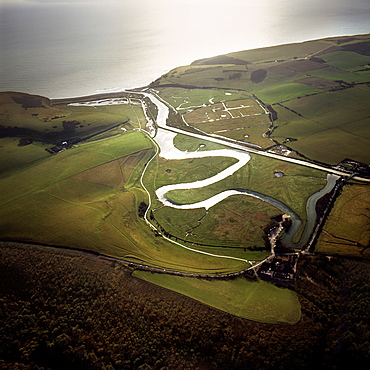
(67, 48)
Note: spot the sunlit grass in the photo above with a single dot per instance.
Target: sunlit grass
(253, 300)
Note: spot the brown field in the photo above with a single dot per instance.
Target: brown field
(115, 173)
(242, 219)
(347, 230)
(303, 65)
(318, 83)
(279, 69)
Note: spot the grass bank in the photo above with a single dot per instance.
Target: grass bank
(253, 300)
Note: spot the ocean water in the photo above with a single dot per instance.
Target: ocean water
(73, 48)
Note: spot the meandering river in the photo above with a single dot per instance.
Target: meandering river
(164, 138)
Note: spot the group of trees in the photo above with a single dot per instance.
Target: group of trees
(63, 309)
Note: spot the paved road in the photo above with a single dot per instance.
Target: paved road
(163, 112)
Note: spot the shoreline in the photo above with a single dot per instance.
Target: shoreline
(109, 92)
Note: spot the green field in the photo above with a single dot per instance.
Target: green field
(253, 300)
(183, 142)
(348, 60)
(334, 74)
(333, 134)
(258, 175)
(281, 52)
(14, 157)
(280, 93)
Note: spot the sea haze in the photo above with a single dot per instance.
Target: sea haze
(72, 48)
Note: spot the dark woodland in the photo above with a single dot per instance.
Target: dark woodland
(64, 309)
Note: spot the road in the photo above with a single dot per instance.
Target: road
(163, 112)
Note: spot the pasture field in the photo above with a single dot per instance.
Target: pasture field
(351, 102)
(69, 163)
(225, 125)
(248, 130)
(359, 128)
(335, 74)
(291, 125)
(321, 147)
(274, 91)
(297, 50)
(253, 300)
(191, 144)
(253, 133)
(236, 222)
(186, 170)
(347, 229)
(213, 77)
(364, 73)
(348, 60)
(328, 135)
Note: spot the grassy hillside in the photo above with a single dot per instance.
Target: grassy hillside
(88, 197)
(38, 118)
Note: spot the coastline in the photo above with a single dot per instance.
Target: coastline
(100, 92)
